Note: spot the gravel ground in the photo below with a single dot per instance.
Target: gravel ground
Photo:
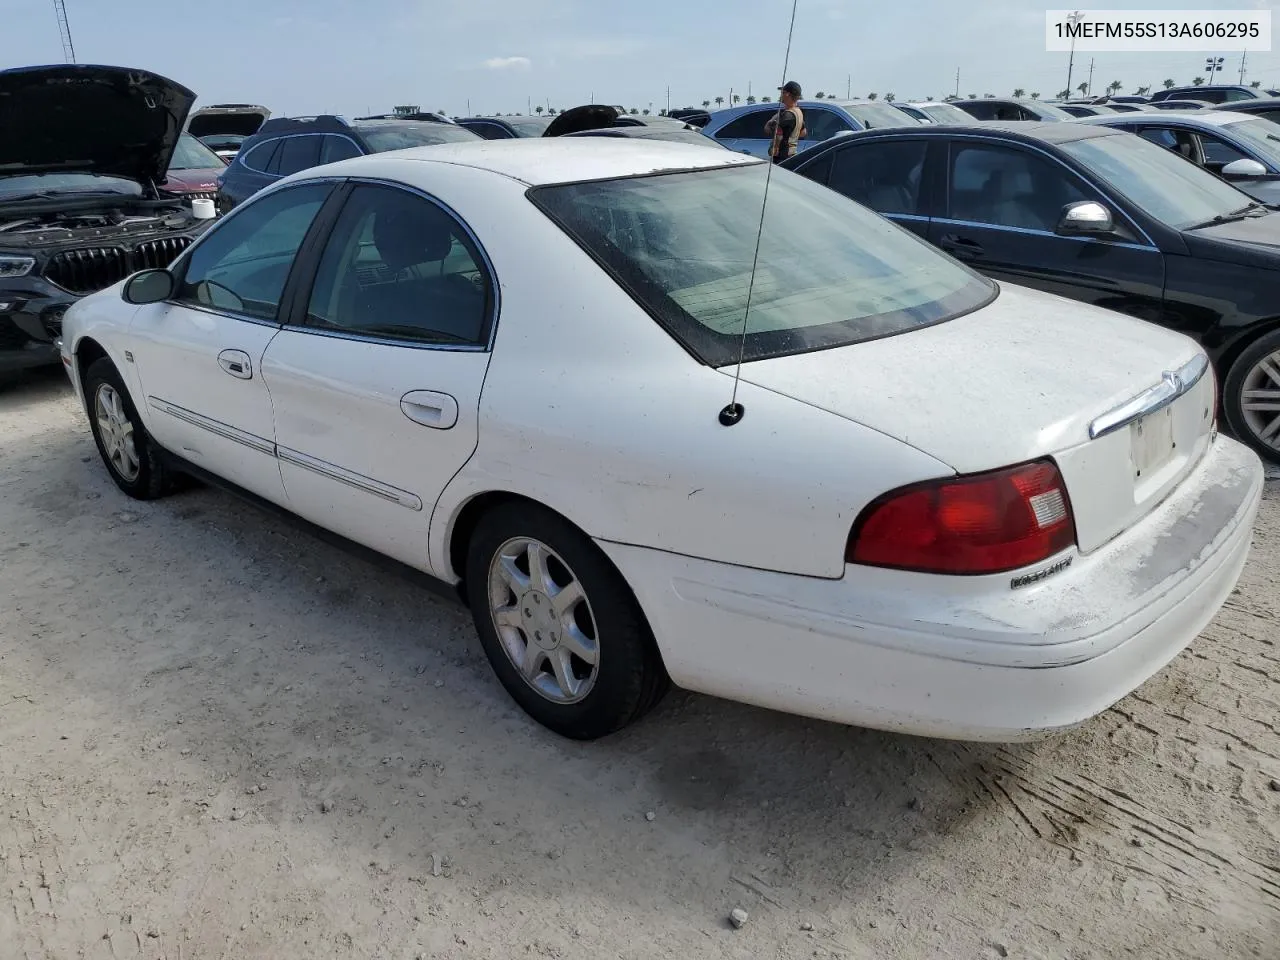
(221, 738)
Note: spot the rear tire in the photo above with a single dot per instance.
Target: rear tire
(561, 628)
(132, 458)
(1255, 419)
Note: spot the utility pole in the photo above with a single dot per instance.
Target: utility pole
(1242, 59)
(668, 99)
(957, 83)
(64, 31)
(1090, 76)
(1073, 19)
(1212, 65)
(848, 87)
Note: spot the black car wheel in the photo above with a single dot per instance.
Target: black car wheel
(559, 625)
(131, 456)
(1251, 396)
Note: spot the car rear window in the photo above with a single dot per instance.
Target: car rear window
(829, 272)
(415, 133)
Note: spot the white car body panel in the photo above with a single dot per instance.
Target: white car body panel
(733, 539)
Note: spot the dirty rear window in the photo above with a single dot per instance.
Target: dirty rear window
(830, 272)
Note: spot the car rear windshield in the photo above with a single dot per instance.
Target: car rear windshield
(1157, 180)
(829, 272)
(946, 113)
(415, 133)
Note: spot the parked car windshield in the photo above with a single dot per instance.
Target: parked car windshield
(414, 133)
(1158, 181)
(829, 272)
(880, 115)
(528, 126)
(944, 113)
(191, 154)
(1262, 136)
(1049, 110)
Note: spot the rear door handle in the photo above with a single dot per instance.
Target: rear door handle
(960, 246)
(429, 408)
(236, 363)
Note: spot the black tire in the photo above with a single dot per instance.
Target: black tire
(629, 678)
(1233, 388)
(153, 479)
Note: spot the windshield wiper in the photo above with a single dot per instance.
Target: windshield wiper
(1252, 210)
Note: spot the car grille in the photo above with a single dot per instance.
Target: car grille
(93, 268)
(200, 196)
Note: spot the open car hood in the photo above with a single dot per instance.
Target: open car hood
(116, 121)
(592, 116)
(227, 121)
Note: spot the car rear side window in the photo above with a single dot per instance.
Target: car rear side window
(883, 175)
(242, 265)
(261, 158)
(829, 273)
(1009, 187)
(749, 126)
(297, 153)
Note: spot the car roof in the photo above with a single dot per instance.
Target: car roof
(1244, 106)
(1204, 118)
(537, 160)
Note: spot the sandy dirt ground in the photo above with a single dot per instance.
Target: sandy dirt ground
(221, 738)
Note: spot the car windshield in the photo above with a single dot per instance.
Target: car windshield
(528, 126)
(1050, 111)
(874, 115)
(1261, 136)
(417, 133)
(1158, 181)
(64, 183)
(945, 113)
(830, 272)
(191, 154)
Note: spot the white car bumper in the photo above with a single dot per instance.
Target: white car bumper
(965, 658)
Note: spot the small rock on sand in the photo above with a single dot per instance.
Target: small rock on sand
(738, 917)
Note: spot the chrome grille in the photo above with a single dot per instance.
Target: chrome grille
(200, 196)
(88, 269)
(158, 253)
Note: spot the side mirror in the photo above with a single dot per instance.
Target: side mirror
(1085, 218)
(149, 286)
(1244, 169)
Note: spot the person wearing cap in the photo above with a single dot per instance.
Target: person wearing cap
(787, 127)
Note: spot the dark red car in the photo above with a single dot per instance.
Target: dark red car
(194, 171)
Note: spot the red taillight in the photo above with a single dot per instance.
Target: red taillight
(986, 523)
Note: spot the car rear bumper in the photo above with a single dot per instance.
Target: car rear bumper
(958, 657)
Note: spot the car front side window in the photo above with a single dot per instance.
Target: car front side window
(244, 262)
(400, 267)
(749, 126)
(1009, 187)
(882, 175)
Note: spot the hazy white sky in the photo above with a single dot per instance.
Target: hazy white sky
(349, 56)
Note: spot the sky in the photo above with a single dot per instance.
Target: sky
(484, 56)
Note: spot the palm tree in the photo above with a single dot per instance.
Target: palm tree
(1114, 87)
(1256, 84)
(820, 95)
(1063, 94)
(705, 104)
(645, 112)
(1169, 84)
(973, 96)
(1142, 91)
(538, 110)
(751, 98)
(635, 112)
(1019, 93)
(719, 101)
(1198, 81)
(1035, 96)
(1083, 88)
(889, 97)
(872, 96)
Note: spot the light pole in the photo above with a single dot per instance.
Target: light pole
(1073, 18)
(1211, 66)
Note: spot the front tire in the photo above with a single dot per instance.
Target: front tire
(559, 625)
(131, 456)
(1251, 396)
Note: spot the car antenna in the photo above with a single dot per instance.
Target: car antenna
(734, 411)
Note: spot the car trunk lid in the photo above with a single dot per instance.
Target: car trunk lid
(1124, 407)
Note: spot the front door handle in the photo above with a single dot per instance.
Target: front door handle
(959, 246)
(429, 408)
(236, 363)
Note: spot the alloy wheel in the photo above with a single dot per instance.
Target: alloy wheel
(116, 433)
(1260, 400)
(543, 620)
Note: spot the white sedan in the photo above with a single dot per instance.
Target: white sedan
(930, 504)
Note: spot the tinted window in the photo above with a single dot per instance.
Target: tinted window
(1009, 187)
(398, 266)
(335, 148)
(243, 263)
(1229, 96)
(749, 126)
(1261, 136)
(883, 176)
(1272, 115)
(872, 115)
(824, 124)
(1156, 181)
(297, 153)
(418, 133)
(1219, 153)
(262, 157)
(829, 272)
(979, 110)
(946, 113)
(1159, 136)
(490, 131)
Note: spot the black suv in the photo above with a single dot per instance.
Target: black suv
(286, 145)
(83, 151)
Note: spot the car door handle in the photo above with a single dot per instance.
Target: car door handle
(236, 363)
(960, 246)
(429, 408)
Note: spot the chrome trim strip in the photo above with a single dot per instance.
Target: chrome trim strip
(1040, 233)
(386, 341)
(224, 430)
(1173, 384)
(356, 480)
